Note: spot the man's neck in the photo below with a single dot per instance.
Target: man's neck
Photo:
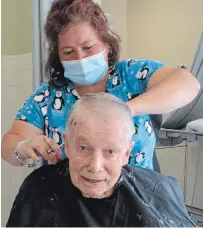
(103, 196)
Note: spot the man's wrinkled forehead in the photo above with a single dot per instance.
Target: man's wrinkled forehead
(98, 123)
(77, 122)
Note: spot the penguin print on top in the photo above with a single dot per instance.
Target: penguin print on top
(73, 92)
(132, 61)
(115, 81)
(141, 75)
(56, 135)
(127, 80)
(23, 118)
(131, 96)
(46, 127)
(139, 157)
(58, 102)
(41, 96)
(44, 110)
(115, 78)
(136, 129)
(148, 127)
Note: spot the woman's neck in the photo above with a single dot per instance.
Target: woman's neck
(95, 88)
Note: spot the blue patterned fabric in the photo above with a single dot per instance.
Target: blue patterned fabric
(48, 107)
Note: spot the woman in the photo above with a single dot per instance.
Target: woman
(83, 58)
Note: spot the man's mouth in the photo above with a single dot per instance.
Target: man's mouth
(92, 181)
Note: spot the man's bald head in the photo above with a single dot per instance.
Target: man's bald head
(103, 108)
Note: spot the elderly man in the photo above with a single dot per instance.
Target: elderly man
(95, 187)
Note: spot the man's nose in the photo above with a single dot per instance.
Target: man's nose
(95, 163)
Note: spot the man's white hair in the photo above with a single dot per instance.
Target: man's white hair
(104, 104)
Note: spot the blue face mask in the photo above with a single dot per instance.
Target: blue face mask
(86, 71)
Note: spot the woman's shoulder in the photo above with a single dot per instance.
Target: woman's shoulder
(136, 65)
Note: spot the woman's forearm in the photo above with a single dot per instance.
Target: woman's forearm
(19, 131)
(175, 91)
(8, 146)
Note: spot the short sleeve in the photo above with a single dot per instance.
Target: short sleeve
(141, 71)
(34, 109)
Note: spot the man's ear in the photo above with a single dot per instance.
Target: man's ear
(128, 152)
(64, 136)
(65, 143)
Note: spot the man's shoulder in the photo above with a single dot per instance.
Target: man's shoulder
(143, 172)
(45, 175)
(147, 179)
(38, 197)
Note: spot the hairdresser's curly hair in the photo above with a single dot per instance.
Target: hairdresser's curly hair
(62, 13)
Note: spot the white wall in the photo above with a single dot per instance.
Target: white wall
(165, 30)
(118, 20)
(16, 87)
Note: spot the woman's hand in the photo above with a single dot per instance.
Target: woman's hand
(39, 146)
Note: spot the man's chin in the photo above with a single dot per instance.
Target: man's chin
(95, 196)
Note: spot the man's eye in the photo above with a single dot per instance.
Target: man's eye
(82, 148)
(111, 152)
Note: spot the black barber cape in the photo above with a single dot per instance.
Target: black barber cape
(142, 198)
